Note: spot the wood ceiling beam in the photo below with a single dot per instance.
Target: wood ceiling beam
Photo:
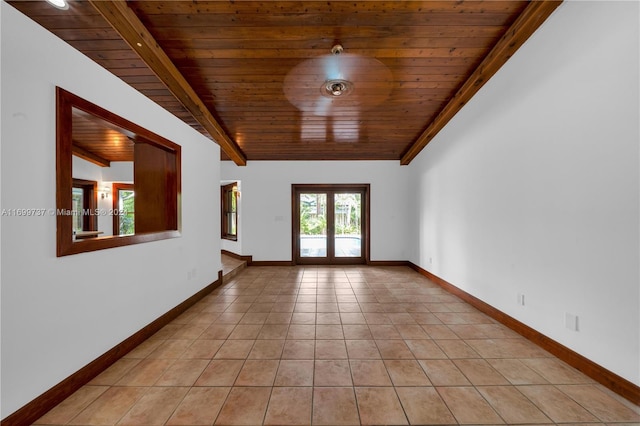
(524, 26)
(89, 156)
(127, 24)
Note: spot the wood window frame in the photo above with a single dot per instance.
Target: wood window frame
(115, 188)
(231, 188)
(297, 189)
(89, 202)
(65, 244)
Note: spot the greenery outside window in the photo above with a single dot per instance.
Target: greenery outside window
(330, 223)
(230, 211)
(124, 205)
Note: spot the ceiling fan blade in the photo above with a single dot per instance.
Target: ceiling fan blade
(331, 67)
(367, 82)
(322, 106)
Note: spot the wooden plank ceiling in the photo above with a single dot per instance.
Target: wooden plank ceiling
(252, 74)
(99, 141)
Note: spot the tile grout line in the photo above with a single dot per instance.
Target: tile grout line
(260, 289)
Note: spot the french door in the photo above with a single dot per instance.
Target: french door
(330, 224)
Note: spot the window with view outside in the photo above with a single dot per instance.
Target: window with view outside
(83, 202)
(77, 198)
(348, 224)
(126, 218)
(313, 225)
(124, 205)
(229, 204)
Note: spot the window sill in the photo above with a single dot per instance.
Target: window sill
(100, 243)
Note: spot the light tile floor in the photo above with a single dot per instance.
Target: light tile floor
(338, 346)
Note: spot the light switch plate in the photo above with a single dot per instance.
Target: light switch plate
(571, 321)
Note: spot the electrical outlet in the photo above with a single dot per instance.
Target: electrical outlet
(520, 299)
(571, 322)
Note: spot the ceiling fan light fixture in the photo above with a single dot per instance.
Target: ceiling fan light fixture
(337, 87)
(335, 92)
(60, 4)
(337, 49)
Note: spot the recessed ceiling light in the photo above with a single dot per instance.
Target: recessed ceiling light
(60, 4)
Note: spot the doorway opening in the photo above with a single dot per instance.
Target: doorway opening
(330, 224)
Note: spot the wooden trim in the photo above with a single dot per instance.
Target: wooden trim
(65, 102)
(617, 384)
(251, 262)
(527, 23)
(64, 179)
(100, 243)
(388, 263)
(35, 409)
(367, 223)
(272, 263)
(248, 259)
(127, 24)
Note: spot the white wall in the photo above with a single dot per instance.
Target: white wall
(58, 314)
(83, 169)
(534, 187)
(118, 171)
(266, 203)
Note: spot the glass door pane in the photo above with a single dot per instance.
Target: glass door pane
(77, 206)
(348, 224)
(126, 220)
(313, 225)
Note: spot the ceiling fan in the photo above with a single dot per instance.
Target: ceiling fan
(338, 83)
